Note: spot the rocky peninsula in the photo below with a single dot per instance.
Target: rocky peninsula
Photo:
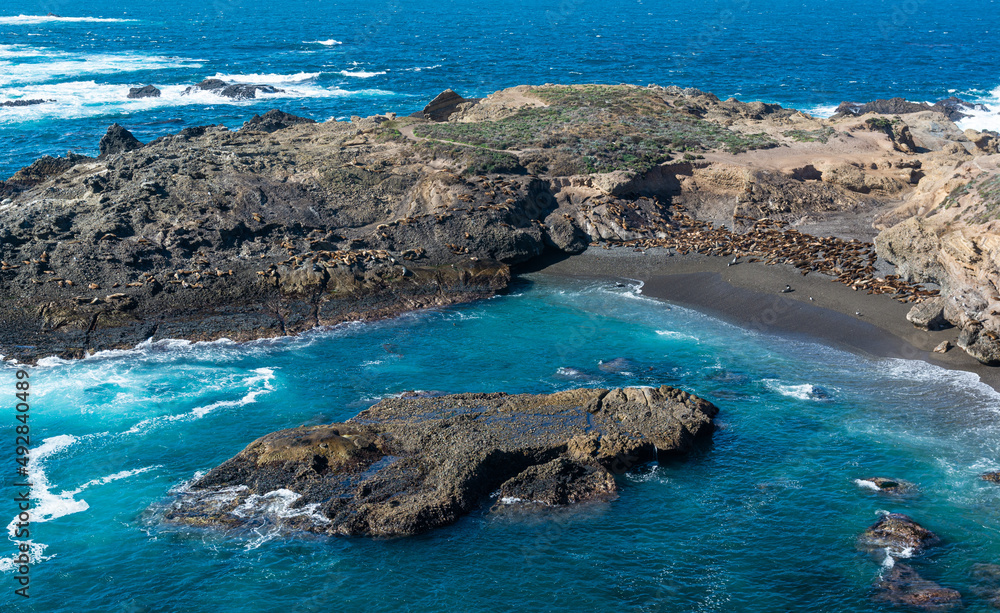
(287, 224)
(411, 464)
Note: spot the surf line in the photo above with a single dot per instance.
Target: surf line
(22, 525)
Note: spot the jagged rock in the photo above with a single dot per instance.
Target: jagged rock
(902, 585)
(981, 344)
(557, 483)
(913, 247)
(443, 105)
(236, 91)
(31, 102)
(896, 533)
(118, 140)
(147, 91)
(273, 120)
(929, 314)
(409, 465)
(953, 108)
(942, 347)
(992, 477)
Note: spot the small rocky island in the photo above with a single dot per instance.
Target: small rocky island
(408, 465)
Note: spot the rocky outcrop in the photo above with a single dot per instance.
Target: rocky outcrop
(888, 486)
(236, 91)
(896, 533)
(409, 465)
(953, 108)
(118, 140)
(147, 91)
(272, 121)
(443, 105)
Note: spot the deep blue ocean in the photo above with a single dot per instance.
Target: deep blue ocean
(335, 59)
(765, 519)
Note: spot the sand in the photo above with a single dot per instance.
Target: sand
(749, 295)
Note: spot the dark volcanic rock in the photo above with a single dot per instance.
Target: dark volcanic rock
(992, 477)
(118, 140)
(147, 91)
(953, 108)
(559, 482)
(409, 465)
(236, 91)
(31, 102)
(896, 533)
(273, 120)
(902, 585)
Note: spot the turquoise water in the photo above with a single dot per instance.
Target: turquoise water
(335, 58)
(764, 519)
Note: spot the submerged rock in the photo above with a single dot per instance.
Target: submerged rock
(992, 477)
(902, 585)
(986, 584)
(617, 366)
(409, 465)
(887, 486)
(897, 533)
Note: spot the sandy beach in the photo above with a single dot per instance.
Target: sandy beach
(750, 295)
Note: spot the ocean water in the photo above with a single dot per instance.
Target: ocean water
(763, 519)
(334, 59)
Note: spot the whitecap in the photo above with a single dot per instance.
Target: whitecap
(18, 20)
(327, 43)
(361, 74)
(805, 391)
(676, 335)
(871, 485)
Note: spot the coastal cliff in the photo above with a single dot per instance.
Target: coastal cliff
(287, 224)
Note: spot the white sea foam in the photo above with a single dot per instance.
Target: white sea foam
(871, 485)
(276, 80)
(361, 74)
(48, 505)
(823, 110)
(261, 376)
(676, 335)
(420, 68)
(327, 43)
(19, 20)
(983, 120)
(60, 65)
(805, 391)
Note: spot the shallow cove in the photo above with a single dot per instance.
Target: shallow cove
(764, 519)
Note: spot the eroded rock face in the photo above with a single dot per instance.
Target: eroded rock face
(236, 91)
(273, 120)
(409, 465)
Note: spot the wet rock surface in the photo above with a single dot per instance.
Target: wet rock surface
(902, 585)
(409, 465)
(897, 533)
(147, 91)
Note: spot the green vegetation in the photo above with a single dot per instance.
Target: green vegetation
(810, 136)
(476, 160)
(596, 128)
(987, 190)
